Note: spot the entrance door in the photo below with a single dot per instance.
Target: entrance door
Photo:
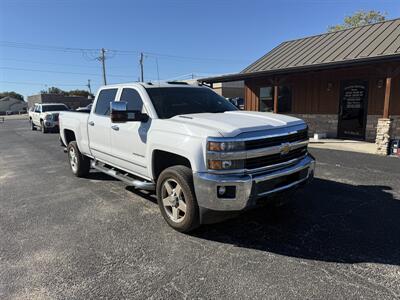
(353, 109)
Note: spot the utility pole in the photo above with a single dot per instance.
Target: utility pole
(141, 67)
(89, 87)
(102, 58)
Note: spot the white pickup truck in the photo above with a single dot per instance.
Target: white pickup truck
(201, 155)
(45, 116)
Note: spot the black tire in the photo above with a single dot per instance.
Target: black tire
(184, 177)
(33, 127)
(42, 127)
(81, 165)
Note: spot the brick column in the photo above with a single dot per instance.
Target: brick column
(383, 136)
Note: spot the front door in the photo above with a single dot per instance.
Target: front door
(353, 109)
(129, 140)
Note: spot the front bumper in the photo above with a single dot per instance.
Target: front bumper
(248, 188)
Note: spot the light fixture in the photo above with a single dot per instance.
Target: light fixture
(379, 83)
(329, 86)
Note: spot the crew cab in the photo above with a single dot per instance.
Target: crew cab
(45, 116)
(201, 155)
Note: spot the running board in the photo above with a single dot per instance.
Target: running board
(124, 176)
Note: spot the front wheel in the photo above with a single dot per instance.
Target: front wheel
(79, 163)
(33, 127)
(177, 200)
(44, 129)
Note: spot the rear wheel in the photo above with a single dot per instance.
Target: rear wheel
(79, 163)
(177, 200)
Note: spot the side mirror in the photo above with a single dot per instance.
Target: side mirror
(120, 113)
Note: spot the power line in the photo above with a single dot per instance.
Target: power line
(55, 64)
(61, 72)
(38, 83)
(88, 51)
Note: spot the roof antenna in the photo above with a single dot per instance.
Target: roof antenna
(158, 73)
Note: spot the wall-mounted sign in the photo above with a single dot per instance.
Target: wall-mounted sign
(353, 109)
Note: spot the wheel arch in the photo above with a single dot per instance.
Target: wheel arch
(162, 160)
(69, 136)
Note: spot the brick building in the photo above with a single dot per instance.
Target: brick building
(71, 101)
(342, 83)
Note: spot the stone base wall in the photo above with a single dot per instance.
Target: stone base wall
(324, 123)
(372, 124)
(320, 123)
(382, 136)
(395, 127)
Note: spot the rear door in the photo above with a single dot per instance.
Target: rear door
(99, 125)
(129, 139)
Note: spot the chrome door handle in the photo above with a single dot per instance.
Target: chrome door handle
(91, 123)
(115, 127)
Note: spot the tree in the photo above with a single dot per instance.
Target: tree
(58, 91)
(54, 90)
(359, 18)
(81, 93)
(12, 95)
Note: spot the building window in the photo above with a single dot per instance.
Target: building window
(284, 99)
(267, 99)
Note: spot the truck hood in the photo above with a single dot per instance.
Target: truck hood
(233, 123)
(51, 113)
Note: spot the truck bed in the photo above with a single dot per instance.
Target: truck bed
(77, 122)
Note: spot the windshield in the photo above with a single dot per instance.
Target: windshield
(54, 108)
(170, 102)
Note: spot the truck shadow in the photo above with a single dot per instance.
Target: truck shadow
(328, 221)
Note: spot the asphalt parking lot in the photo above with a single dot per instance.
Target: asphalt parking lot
(62, 237)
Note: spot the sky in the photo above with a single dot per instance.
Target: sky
(47, 43)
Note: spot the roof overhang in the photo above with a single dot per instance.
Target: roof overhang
(291, 70)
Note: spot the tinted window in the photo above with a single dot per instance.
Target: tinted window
(103, 101)
(267, 98)
(132, 98)
(170, 102)
(54, 108)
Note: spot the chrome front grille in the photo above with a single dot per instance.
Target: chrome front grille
(274, 159)
(300, 135)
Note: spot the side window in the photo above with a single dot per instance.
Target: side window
(103, 101)
(37, 108)
(132, 98)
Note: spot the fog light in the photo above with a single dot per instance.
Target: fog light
(221, 190)
(226, 164)
(226, 192)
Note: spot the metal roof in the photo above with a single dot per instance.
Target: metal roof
(358, 44)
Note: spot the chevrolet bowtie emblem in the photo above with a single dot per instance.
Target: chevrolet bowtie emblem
(285, 148)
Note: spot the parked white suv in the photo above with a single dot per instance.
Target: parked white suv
(45, 116)
(201, 155)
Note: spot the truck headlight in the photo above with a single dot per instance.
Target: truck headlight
(225, 146)
(48, 117)
(225, 164)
